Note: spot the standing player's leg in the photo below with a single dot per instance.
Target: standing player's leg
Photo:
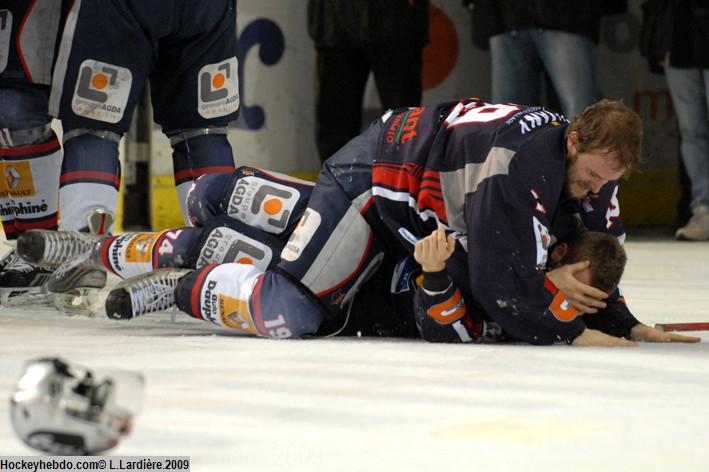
(198, 65)
(31, 159)
(90, 176)
(95, 87)
(30, 154)
(570, 62)
(397, 70)
(197, 152)
(516, 68)
(342, 77)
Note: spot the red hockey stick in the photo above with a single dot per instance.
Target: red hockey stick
(700, 326)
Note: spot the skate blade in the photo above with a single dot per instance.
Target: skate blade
(81, 302)
(18, 297)
(65, 279)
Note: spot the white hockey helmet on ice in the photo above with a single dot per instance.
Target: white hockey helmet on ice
(63, 409)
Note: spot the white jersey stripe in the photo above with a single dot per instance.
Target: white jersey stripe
(37, 39)
(405, 197)
(62, 59)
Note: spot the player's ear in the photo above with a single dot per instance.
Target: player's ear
(559, 251)
(572, 140)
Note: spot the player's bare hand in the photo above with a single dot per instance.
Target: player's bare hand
(584, 298)
(433, 251)
(641, 332)
(593, 337)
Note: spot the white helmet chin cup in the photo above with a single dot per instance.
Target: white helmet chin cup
(63, 409)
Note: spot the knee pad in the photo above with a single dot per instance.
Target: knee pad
(269, 201)
(226, 240)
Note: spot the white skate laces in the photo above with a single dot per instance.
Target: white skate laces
(17, 264)
(63, 246)
(150, 296)
(152, 292)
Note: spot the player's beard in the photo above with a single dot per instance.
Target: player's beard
(574, 187)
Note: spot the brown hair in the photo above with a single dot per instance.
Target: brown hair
(609, 126)
(606, 255)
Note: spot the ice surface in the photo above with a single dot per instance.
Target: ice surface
(241, 404)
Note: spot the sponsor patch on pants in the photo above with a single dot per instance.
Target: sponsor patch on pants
(102, 91)
(263, 204)
(226, 245)
(218, 89)
(235, 314)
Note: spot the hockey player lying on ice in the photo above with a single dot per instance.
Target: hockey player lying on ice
(504, 180)
(391, 304)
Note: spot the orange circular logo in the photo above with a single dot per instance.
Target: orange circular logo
(218, 81)
(99, 81)
(245, 260)
(272, 206)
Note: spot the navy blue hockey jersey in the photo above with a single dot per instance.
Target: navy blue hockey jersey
(494, 175)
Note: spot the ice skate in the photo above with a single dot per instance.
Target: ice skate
(54, 248)
(21, 283)
(9, 255)
(144, 294)
(75, 286)
(78, 274)
(74, 279)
